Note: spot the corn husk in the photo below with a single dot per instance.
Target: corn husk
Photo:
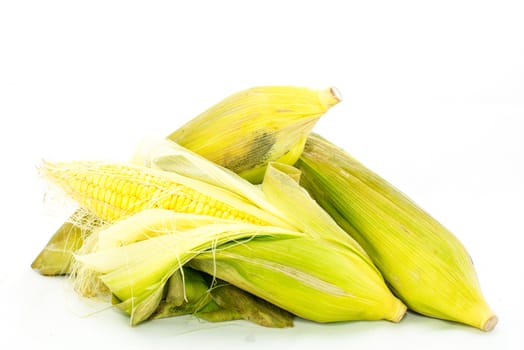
(249, 129)
(309, 277)
(57, 256)
(423, 262)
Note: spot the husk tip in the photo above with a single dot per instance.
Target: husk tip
(490, 323)
(335, 93)
(399, 313)
(330, 96)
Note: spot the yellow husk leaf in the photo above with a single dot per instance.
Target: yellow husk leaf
(256, 126)
(424, 263)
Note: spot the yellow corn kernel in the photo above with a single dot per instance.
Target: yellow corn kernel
(113, 191)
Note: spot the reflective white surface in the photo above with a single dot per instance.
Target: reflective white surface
(433, 101)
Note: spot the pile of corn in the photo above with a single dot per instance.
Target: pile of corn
(244, 213)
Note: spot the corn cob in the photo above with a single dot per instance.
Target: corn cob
(251, 128)
(424, 263)
(115, 191)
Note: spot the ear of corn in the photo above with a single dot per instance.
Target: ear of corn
(136, 256)
(252, 127)
(114, 191)
(424, 263)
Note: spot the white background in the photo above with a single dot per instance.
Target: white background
(433, 101)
